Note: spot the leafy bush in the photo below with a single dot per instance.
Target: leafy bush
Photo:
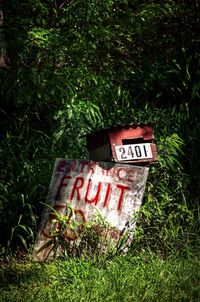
(89, 64)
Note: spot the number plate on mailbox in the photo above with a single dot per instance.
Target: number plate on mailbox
(133, 152)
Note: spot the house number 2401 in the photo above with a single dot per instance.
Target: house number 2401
(131, 152)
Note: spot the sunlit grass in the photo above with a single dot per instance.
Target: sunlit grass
(146, 278)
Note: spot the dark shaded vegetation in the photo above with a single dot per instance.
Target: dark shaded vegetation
(90, 64)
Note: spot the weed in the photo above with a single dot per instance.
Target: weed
(129, 278)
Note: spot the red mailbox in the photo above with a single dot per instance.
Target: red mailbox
(134, 143)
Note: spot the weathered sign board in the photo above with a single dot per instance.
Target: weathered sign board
(82, 188)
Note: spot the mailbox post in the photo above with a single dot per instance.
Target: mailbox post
(129, 145)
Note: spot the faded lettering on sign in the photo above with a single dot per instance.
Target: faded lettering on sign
(115, 190)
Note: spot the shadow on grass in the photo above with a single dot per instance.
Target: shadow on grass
(18, 274)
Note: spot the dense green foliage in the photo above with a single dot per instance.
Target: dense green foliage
(88, 64)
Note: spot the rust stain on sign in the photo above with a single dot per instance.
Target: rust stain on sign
(114, 190)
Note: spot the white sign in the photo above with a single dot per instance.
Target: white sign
(82, 188)
(131, 152)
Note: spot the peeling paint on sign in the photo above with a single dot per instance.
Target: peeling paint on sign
(113, 190)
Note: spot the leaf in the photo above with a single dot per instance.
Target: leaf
(22, 240)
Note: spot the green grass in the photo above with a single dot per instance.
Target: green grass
(129, 278)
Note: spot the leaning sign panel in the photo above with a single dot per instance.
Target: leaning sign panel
(80, 190)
